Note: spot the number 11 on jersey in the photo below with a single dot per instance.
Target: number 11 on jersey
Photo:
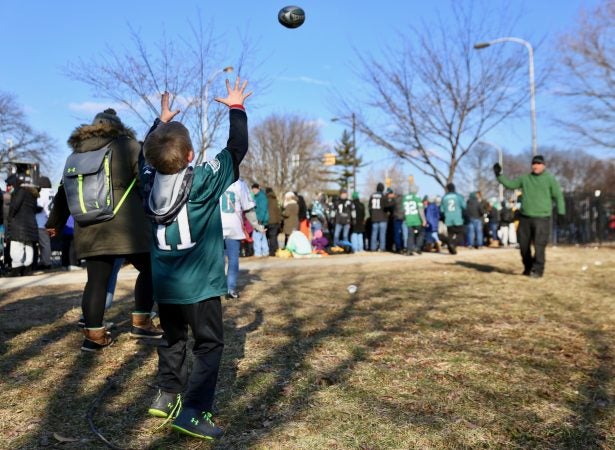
(183, 227)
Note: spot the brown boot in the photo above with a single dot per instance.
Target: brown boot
(143, 327)
(95, 339)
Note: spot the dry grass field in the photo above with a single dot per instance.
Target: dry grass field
(430, 353)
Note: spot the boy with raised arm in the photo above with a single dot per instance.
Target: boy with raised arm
(188, 259)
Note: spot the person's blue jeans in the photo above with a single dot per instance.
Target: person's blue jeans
(231, 249)
(493, 229)
(117, 265)
(356, 239)
(400, 234)
(379, 233)
(261, 247)
(475, 233)
(344, 230)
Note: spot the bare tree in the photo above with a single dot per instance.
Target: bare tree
(187, 67)
(579, 171)
(392, 176)
(435, 96)
(286, 154)
(18, 141)
(587, 77)
(475, 171)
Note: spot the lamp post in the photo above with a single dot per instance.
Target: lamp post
(500, 161)
(354, 147)
(205, 100)
(9, 155)
(530, 51)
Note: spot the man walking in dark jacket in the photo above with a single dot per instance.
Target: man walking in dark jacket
(540, 189)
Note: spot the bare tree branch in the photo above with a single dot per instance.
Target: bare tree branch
(18, 141)
(286, 154)
(190, 68)
(435, 96)
(587, 77)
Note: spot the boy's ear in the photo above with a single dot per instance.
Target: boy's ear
(190, 156)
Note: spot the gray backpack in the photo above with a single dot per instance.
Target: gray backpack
(88, 187)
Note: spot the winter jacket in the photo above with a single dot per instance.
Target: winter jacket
(376, 207)
(22, 215)
(262, 207)
(506, 215)
(398, 211)
(344, 211)
(275, 215)
(539, 192)
(358, 226)
(474, 208)
(129, 231)
(494, 215)
(303, 211)
(291, 218)
(6, 203)
(432, 217)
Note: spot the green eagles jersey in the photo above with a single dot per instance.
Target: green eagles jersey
(452, 207)
(188, 254)
(412, 206)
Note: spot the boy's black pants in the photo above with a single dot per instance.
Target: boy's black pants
(205, 320)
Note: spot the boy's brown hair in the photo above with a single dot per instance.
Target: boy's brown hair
(167, 148)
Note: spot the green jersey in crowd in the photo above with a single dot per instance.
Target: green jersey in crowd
(412, 210)
(188, 254)
(452, 207)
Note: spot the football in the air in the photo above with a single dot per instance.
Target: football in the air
(291, 16)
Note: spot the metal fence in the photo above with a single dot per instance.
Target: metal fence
(590, 218)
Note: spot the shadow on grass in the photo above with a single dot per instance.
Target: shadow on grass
(19, 317)
(258, 399)
(595, 404)
(485, 268)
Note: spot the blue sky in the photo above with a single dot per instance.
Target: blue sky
(305, 65)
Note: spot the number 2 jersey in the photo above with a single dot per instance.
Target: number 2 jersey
(188, 254)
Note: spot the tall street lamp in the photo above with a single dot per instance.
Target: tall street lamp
(354, 148)
(530, 51)
(205, 100)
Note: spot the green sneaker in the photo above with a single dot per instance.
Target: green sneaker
(197, 424)
(165, 405)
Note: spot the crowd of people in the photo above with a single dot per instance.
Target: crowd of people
(398, 222)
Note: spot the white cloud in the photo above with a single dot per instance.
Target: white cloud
(95, 107)
(308, 80)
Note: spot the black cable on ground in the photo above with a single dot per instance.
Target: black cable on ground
(111, 384)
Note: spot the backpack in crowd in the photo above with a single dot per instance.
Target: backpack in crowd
(88, 186)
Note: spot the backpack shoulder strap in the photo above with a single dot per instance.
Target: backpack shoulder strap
(121, 202)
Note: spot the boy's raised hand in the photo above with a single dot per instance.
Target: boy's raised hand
(236, 95)
(166, 115)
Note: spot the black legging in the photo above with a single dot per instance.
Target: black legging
(99, 270)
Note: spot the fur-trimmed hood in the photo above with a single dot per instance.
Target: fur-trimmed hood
(87, 138)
